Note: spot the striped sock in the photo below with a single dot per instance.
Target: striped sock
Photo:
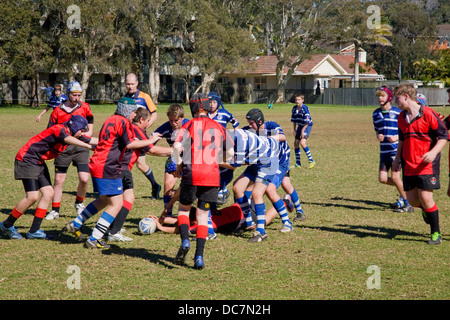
(308, 153)
(102, 225)
(260, 209)
(245, 207)
(297, 155)
(281, 209)
(296, 201)
(210, 225)
(88, 212)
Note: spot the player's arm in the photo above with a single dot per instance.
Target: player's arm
(431, 155)
(160, 151)
(396, 163)
(138, 144)
(76, 142)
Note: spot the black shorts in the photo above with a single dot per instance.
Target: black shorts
(76, 155)
(424, 182)
(189, 193)
(33, 176)
(127, 180)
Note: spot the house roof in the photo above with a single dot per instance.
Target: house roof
(266, 65)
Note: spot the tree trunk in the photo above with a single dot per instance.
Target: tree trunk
(207, 79)
(356, 67)
(153, 72)
(85, 80)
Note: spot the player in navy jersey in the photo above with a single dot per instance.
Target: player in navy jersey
(198, 150)
(302, 121)
(30, 167)
(53, 101)
(175, 114)
(222, 116)
(115, 136)
(385, 122)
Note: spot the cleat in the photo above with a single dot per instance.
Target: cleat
(52, 215)
(297, 165)
(10, 232)
(396, 205)
(258, 237)
(436, 238)
(182, 252)
(405, 208)
(211, 236)
(287, 227)
(311, 164)
(288, 203)
(198, 263)
(251, 227)
(70, 228)
(301, 216)
(118, 237)
(40, 234)
(96, 244)
(79, 207)
(156, 191)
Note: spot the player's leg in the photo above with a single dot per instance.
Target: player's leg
(147, 171)
(83, 185)
(432, 214)
(398, 183)
(187, 196)
(239, 187)
(58, 184)
(278, 204)
(259, 189)
(290, 190)
(115, 230)
(297, 151)
(169, 184)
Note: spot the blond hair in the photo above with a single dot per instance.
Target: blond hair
(407, 88)
(175, 110)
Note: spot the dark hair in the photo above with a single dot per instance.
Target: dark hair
(141, 113)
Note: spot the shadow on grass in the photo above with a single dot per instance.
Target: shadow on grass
(152, 256)
(376, 205)
(361, 231)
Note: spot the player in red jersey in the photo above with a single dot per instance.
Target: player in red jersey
(422, 136)
(198, 150)
(73, 154)
(30, 167)
(115, 136)
(140, 123)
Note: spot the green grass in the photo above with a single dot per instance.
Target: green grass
(349, 227)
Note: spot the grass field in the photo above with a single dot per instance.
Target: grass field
(349, 228)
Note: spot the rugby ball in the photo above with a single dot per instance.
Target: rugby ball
(147, 226)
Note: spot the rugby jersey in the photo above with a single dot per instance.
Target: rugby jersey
(301, 116)
(130, 156)
(420, 136)
(222, 116)
(54, 101)
(225, 220)
(116, 133)
(142, 99)
(386, 123)
(204, 141)
(166, 131)
(251, 149)
(62, 114)
(46, 145)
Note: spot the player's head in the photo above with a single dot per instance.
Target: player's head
(77, 123)
(421, 99)
(384, 95)
(299, 98)
(142, 118)
(404, 93)
(175, 113)
(126, 107)
(199, 103)
(131, 83)
(57, 90)
(215, 101)
(255, 118)
(74, 91)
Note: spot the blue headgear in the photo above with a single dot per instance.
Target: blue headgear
(76, 123)
(214, 95)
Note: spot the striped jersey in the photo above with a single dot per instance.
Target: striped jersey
(251, 149)
(54, 101)
(301, 116)
(222, 116)
(272, 128)
(386, 123)
(166, 131)
(130, 156)
(63, 113)
(116, 133)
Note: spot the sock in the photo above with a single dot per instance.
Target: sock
(202, 233)
(56, 206)
(79, 199)
(405, 201)
(183, 225)
(308, 153)
(150, 177)
(433, 217)
(120, 218)
(296, 201)
(166, 200)
(243, 204)
(260, 209)
(297, 155)
(281, 209)
(102, 225)
(88, 212)
(15, 214)
(210, 225)
(39, 215)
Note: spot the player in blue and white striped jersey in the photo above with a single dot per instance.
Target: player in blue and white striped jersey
(301, 117)
(386, 128)
(54, 101)
(222, 116)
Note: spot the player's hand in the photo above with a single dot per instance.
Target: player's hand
(380, 137)
(429, 157)
(38, 119)
(393, 138)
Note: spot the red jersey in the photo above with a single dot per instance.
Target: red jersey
(62, 114)
(419, 137)
(203, 141)
(46, 145)
(114, 136)
(130, 156)
(225, 220)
